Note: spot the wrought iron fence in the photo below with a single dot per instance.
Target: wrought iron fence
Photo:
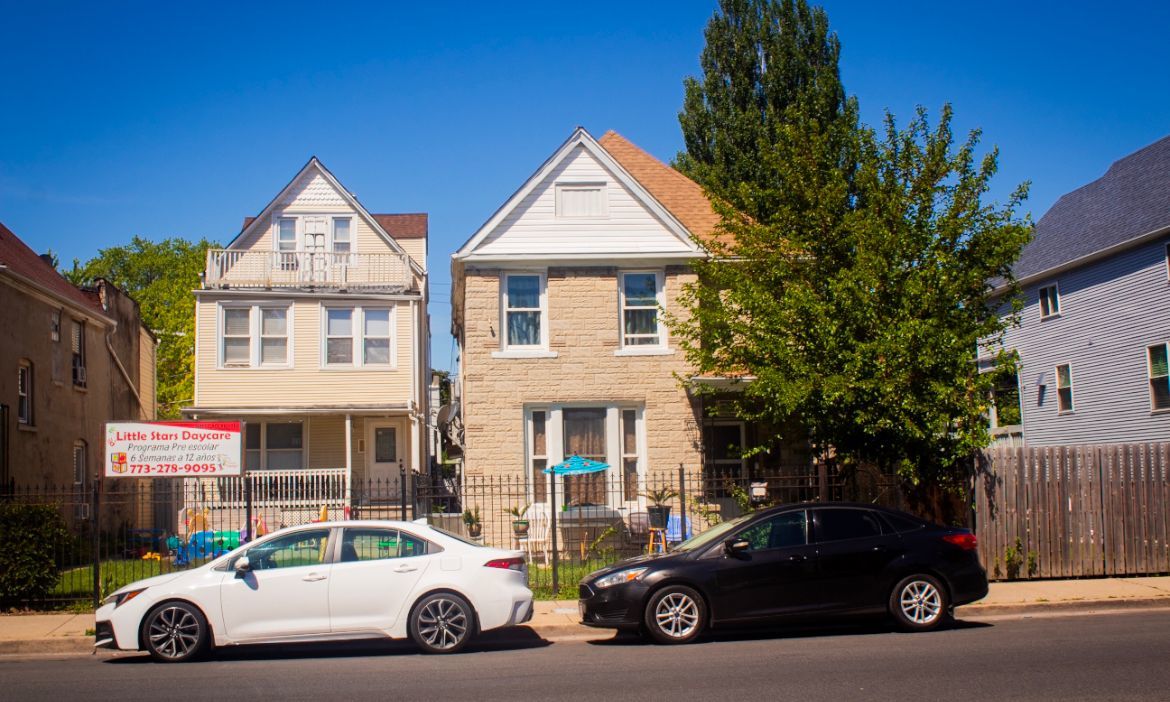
(126, 530)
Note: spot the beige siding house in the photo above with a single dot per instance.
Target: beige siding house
(312, 329)
(557, 310)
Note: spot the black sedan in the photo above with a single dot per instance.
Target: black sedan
(796, 560)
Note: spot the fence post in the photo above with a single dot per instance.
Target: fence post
(402, 493)
(248, 505)
(95, 519)
(552, 525)
(682, 503)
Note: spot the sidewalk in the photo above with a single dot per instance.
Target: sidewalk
(72, 633)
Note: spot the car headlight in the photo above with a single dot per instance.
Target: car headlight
(120, 598)
(622, 576)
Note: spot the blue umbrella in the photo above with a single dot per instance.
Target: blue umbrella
(575, 465)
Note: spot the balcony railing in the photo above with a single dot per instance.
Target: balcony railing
(306, 269)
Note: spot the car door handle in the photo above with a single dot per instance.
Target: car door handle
(880, 549)
(798, 557)
(313, 577)
(405, 569)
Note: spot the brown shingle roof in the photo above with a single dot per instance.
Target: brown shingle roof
(403, 226)
(24, 262)
(681, 196)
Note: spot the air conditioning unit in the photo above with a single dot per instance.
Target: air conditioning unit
(78, 374)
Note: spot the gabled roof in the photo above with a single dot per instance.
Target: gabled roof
(683, 197)
(1124, 206)
(581, 137)
(404, 226)
(22, 261)
(315, 164)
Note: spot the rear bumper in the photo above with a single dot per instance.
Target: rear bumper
(968, 585)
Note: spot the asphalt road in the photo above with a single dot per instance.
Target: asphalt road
(1116, 656)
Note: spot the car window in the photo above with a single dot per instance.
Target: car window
(903, 522)
(788, 529)
(840, 524)
(379, 544)
(299, 549)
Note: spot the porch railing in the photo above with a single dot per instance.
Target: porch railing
(317, 269)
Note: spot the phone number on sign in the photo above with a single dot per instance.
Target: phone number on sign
(175, 468)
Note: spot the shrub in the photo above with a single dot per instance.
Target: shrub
(32, 535)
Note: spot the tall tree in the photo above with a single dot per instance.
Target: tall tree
(854, 282)
(160, 276)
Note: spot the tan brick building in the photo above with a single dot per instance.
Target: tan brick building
(557, 309)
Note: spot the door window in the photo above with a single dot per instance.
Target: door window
(385, 445)
(840, 524)
(379, 544)
(300, 549)
(781, 531)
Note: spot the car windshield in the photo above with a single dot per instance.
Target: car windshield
(711, 535)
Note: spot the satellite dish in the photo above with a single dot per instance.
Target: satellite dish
(446, 413)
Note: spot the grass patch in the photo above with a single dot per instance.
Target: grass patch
(114, 573)
(569, 574)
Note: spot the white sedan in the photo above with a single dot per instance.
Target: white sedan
(325, 582)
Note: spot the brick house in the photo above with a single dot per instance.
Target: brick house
(557, 310)
(73, 359)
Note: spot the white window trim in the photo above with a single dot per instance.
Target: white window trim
(359, 337)
(254, 321)
(554, 428)
(602, 186)
(26, 367)
(264, 445)
(1150, 370)
(524, 350)
(81, 445)
(662, 347)
(299, 230)
(1072, 400)
(1059, 305)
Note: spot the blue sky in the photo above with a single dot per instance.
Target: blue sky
(153, 119)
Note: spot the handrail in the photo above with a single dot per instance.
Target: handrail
(306, 269)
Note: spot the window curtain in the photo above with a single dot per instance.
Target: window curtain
(585, 437)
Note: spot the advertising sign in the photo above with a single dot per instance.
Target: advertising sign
(172, 449)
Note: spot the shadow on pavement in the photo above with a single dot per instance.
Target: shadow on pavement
(809, 630)
(513, 639)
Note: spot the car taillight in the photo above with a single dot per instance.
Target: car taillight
(506, 563)
(964, 541)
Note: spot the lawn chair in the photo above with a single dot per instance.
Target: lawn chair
(539, 536)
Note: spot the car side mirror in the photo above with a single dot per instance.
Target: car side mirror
(736, 547)
(243, 566)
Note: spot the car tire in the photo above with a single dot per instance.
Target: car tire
(919, 603)
(175, 632)
(676, 614)
(442, 623)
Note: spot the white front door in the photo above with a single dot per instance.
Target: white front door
(384, 450)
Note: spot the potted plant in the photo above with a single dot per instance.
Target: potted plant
(659, 512)
(471, 520)
(519, 523)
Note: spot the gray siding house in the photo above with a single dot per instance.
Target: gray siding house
(1093, 335)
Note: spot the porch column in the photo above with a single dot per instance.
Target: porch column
(348, 459)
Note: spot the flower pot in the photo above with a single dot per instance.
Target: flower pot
(659, 516)
(520, 528)
(474, 530)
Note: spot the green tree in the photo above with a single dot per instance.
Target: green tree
(160, 276)
(854, 280)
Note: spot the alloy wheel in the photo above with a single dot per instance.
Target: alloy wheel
(921, 602)
(677, 615)
(442, 623)
(174, 632)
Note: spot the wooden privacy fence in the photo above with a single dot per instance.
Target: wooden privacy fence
(1070, 511)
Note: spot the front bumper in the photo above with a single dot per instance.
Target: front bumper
(617, 607)
(103, 634)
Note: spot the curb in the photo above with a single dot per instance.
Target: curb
(65, 644)
(988, 610)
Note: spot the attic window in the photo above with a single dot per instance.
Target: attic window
(581, 200)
